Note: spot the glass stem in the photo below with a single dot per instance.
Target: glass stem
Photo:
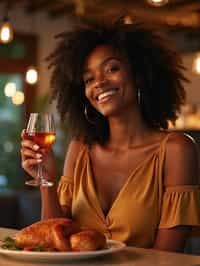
(39, 173)
(41, 180)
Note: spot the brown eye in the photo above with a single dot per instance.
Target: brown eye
(113, 69)
(88, 80)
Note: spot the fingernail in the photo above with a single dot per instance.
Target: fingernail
(38, 155)
(39, 160)
(36, 147)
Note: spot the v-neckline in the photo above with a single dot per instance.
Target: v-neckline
(118, 196)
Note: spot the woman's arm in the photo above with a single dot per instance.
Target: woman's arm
(50, 203)
(172, 239)
(181, 168)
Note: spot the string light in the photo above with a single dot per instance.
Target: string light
(157, 2)
(79, 7)
(6, 31)
(196, 64)
(31, 75)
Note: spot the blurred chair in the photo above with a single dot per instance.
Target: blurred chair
(8, 209)
(193, 246)
(29, 208)
(19, 209)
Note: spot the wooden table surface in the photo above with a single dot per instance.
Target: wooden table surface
(130, 256)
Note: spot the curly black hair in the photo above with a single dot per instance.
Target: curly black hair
(156, 67)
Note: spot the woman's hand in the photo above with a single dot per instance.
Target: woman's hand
(32, 155)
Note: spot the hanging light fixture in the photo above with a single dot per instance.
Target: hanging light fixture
(79, 7)
(196, 64)
(157, 2)
(6, 31)
(31, 75)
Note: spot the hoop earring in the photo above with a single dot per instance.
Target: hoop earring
(87, 117)
(139, 96)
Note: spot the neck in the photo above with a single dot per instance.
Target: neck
(127, 131)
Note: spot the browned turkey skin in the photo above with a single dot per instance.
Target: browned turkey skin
(59, 234)
(87, 240)
(43, 233)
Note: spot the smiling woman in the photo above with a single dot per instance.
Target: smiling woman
(124, 175)
(108, 82)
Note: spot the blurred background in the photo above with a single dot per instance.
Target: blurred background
(27, 30)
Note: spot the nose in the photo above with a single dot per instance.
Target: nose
(100, 80)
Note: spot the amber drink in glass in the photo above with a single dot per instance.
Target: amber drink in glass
(41, 130)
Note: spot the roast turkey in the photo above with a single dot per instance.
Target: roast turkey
(42, 233)
(59, 234)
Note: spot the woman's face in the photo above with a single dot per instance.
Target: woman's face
(109, 85)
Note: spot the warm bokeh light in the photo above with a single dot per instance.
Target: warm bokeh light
(196, 64)
(6, 32)
(18, 98)
(31, 75)
(79, 7)
(157, 2)
(128, 20)
(10, 89)
(8, 146)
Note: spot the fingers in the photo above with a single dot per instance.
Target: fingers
(31, 155)
(23, 133)
(30, 158)
(30, 166)
(27, 153)
(29, 163)
(29, 144)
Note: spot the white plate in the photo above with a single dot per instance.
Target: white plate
(111, 247)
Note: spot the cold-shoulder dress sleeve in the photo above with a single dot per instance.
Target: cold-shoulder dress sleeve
(180, 206)
(65, 191)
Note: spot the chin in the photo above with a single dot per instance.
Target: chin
(110, 112)
(110, 109)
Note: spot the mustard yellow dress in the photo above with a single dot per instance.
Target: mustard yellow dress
(142, 205)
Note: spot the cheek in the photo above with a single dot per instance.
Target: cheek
(123, 79)
(87, 93)
(89, 96)
(130, 89)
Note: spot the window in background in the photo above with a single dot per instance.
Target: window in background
(16, 102)
(14, 50)
(11, 113)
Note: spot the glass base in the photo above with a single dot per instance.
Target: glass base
(46, 183)
(33, 183)
(36, 183)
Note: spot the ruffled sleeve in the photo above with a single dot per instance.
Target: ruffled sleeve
(65, 191)
(181, 206)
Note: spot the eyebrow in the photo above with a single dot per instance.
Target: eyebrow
(86, 70)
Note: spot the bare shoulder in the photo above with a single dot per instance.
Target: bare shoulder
(75, 146)
(182, 163)
(181, 140)
(181, 143)
(73, 150)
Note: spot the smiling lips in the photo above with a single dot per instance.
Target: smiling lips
(106, 95)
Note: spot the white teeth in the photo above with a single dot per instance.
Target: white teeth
(105, 94)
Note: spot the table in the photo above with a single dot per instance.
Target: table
(130, 256)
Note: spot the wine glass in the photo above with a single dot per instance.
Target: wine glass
(41, 130)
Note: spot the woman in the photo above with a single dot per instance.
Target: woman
(125, 175)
